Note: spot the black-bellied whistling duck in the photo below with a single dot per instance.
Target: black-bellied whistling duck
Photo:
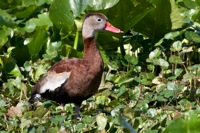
(74, 80)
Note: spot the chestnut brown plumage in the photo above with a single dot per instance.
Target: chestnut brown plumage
(74, 80)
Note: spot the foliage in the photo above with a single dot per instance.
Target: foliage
(151, 82)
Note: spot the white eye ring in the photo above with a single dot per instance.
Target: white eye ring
(99, 20)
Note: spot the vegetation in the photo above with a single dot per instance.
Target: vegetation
(151, 82)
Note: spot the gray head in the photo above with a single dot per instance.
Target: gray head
(95, 22)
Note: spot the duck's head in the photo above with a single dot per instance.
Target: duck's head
(95, 22)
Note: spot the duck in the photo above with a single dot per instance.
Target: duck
(74, 80)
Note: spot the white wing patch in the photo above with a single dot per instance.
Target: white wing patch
(53, 81)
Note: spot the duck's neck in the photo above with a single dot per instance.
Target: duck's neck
(91, 51)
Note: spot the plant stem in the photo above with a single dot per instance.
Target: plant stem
(76, 40)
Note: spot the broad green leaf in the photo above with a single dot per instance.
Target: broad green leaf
(101, 4)
(57, 119)
(172, 86)
(151, 67)
(2, 103)
(175, 59)
(188, 125)
(78, 6)
(40, 112)
(42, 20)
(178, 71)
(15, 72)
(172, 35)
(60, 14)
(192, 4)
(39, 71)
(6, 19)
(161, 62)
(25, 13)
(191, 36)
(154, 54)
(27, 66)
(52, 130)
(28, 3)
(38, 41)
(4, 4)
(196, 66)
(3, 37)
(122, 90)
(167, 93)
(185, 104)
(124, 15)
(176, 46)
(101, 100)
(187, 49)
(187, 77)
(131, 59)
(128, 13)
(147, 75)
(161, 98)
(164, 18)
(143, 81)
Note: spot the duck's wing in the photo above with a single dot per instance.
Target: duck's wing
(55, 77)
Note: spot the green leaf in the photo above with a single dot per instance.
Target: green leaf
(41, 69)
(101, 4)
(42, 20)
(15, 72)
(3, 37)
(122, 90)
(191, 4)
(154, 54)
(2, 103)
(175, 59)
(163, 63)
(185, 104)
(172, 35)
(58, 119)
(78, 6)
(193, 67)
(6, 19)
(60, 14)
(164, 18)
(191, 36)
(187, 77)
(161, 98)
(52, 130)
(38, 41)
(131, 59)
(124, 15)
(172, 86)
(167, 93)
(187, 49)
(188, 125)
(176, 46)
(151, 67)
(178, 71)
(27, 66)
(40, 112)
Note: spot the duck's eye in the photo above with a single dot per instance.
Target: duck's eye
(99, 19)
